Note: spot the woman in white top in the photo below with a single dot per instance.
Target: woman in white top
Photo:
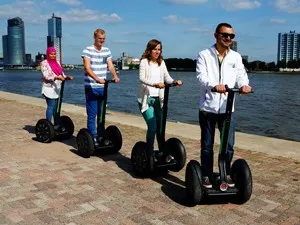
(153, 75)
(52, 77)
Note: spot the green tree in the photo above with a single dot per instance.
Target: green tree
(281, 64)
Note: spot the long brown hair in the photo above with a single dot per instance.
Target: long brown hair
(150, 46)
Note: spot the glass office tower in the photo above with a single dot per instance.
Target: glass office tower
(14, 43)
(55, 35)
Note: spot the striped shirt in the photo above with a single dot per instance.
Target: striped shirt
(98, 64)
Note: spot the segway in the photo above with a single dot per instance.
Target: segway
(145, 164)
(112, 139)
(241, 173)
(46, 132)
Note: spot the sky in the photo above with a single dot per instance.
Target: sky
(185, 27)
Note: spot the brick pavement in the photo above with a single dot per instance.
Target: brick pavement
(51, 184)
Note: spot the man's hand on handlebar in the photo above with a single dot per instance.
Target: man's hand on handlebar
(100, 81)
(220, 88)
(116, 79)
(246, 89)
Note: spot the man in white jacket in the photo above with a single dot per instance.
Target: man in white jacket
(216, 67)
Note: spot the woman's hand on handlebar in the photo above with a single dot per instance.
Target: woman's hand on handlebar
(159, 85)
(178, 82)
(69, 77)
(59, 78)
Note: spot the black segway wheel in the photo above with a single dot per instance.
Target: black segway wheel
(85, 143)
(142, 164)
(241, 175)
(44, 131)
(68, 124)
(193, 182)
(177, 150)
(113, 134)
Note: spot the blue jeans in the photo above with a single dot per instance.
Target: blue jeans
(153, 118)
(92, 102)
(208, 122)
(52, 110)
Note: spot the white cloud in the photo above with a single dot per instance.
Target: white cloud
(290, 6)
(197, 30)
(28, 11)
(200, 31)
(184, 2)
(277, 21)
(31, 12)
(69, 2)
(112, 18)
(232, 5)
(88, 15)
(174, 19)
(79, 15)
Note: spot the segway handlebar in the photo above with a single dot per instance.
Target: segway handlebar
(67, 78)
(234, 90)
(174, 83)
(110, 81)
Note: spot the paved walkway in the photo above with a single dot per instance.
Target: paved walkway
(51, 184)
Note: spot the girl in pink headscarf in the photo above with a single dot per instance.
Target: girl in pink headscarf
(52, 76)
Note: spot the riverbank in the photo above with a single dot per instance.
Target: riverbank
(275, 72)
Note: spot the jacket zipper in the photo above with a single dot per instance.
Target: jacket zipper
(220, 65)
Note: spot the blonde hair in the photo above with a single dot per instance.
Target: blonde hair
(98, 31)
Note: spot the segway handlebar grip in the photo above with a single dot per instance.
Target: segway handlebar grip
(174, 83)
(110, 81)
(235, 90)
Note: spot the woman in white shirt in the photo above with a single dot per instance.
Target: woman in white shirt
(52, 77)
(153, 75)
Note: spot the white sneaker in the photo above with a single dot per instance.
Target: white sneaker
(230, 182)
(206, 182)
(169, 158)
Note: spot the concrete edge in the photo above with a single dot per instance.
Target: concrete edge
(272, 146)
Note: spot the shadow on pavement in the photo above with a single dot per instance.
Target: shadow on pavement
(70, 141)
(122, 161)
(29, 128)
(173, 187)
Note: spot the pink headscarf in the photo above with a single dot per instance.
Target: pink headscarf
(56, 68)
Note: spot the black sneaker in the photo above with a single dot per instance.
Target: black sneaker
(58, 128)
(96, 143)
(158, 156)
(230, 182)
(206, 182)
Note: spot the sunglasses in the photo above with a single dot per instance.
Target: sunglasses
(226, 35)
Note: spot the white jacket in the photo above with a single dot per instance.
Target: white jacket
(145, 82)
(232, 72)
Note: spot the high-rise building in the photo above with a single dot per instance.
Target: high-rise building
(55, 35)
(14, 43)
(233, 46)
(5, 49)
(288, 46)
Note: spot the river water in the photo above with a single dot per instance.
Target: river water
(272, 110)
